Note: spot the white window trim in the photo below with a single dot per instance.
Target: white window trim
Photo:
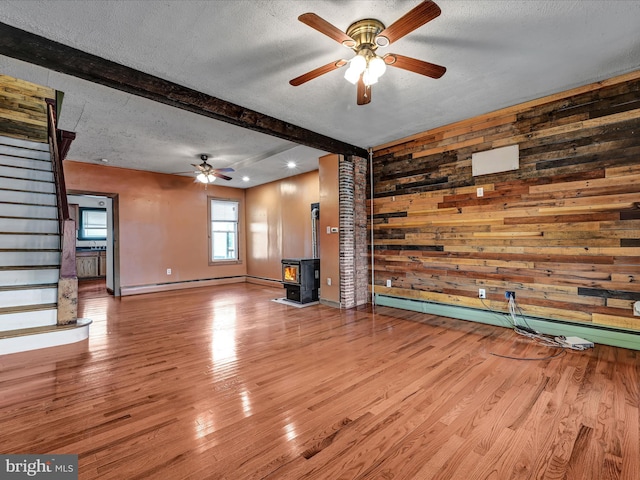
(238, 259)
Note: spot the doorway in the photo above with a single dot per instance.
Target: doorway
(97, 253)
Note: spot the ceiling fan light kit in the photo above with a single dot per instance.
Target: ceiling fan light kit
(202, 178)
(207, 174)
(364, 37)
(366, 64)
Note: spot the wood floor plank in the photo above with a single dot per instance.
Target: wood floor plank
(222, 383)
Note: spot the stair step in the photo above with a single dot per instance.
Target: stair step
(28, 258)
(24, 152)
(27, 308)
(25, 173)
(23, 287)
(28, 225)
(18, 142)
(18, 249)
(14, 320)
(44, 337)
(27, 198)
(20, 184)
(29, 275)
(44, 241)
(4, 268)
(27, 296)
(44, 165)
(28, 211)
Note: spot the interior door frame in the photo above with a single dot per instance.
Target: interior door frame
(115, 233)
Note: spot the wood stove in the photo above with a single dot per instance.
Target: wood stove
(301, 279)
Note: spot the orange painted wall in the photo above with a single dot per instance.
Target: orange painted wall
(278, 218)
(163, 223)
(329, 217)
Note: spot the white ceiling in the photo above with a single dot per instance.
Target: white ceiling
(497, 53)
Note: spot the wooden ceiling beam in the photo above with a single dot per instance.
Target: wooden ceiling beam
(31, 48)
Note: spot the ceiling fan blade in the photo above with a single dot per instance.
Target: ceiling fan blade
(414, 65)
(418, 16)
(317, 72)
(224, 169)
(219, 175)
(321, 25)
(364, 92)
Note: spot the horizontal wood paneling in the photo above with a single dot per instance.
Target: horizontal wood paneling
(23, 110)
(562, 231)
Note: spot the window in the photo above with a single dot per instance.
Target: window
(223, 215)
(92, 224)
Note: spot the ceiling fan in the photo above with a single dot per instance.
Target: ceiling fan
(208, 174)
(364, 37)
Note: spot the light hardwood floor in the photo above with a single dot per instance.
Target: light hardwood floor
(223, 383)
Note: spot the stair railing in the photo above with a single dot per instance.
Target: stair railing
(68, 281)
(61, 190)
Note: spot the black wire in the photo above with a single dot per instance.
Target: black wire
(530, 358)
(537, 337)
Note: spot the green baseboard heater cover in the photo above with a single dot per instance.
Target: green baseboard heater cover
(595, 333)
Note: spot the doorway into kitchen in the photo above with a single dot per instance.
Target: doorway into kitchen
(96, 242)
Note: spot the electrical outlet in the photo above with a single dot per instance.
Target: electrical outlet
(328, 280)
(509, 294)
(480, 191)
(636, 308)
(389, 283)
(168, 271)
(482, 293)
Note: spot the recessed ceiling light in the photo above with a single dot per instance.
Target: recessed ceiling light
(291, 164)
(245, 179)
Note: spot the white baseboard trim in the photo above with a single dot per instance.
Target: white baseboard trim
(265, 281)
(164, 287)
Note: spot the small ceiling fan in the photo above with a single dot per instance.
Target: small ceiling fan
(364, 37)
(208, 174)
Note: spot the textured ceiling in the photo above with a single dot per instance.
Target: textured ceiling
(497, 53)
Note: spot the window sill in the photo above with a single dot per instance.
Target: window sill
(225, 262)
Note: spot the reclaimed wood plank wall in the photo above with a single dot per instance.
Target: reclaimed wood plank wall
(23, 111)
(563, 231)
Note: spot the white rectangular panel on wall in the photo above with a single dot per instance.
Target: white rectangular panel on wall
(497, 160)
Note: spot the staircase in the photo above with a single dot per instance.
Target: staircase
(30, 247)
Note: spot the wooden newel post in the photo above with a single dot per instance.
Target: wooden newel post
(68, 280)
